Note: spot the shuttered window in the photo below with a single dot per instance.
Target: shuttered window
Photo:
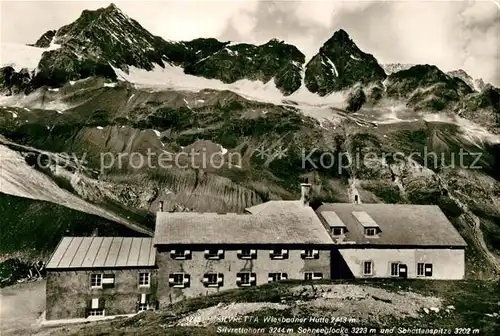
(108, 281)
(278, 254)
(272, 277)
(180, 254)
(424, 269)
(310, 254)
(246, 279)
(247, 254)
(214, 254)
(179, 280)
(213, 280)
(313, 276)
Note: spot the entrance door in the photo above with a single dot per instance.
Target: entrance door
(403, 271)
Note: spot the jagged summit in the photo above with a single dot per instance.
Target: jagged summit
(340, 35)
(110, 34)
(340, 64)
(107, 43)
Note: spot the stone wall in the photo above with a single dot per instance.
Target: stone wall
(68, 293)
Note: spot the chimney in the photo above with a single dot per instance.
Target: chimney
(160, 207)
(305, 193)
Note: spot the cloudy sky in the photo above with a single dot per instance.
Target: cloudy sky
(449, 34)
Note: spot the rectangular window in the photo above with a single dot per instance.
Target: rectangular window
(310, 254)
(144, 279)
(179, 280)
(313, 276)
(214, 254)
(247, 254)
(246, 279)
(213, 279)
(96, 280)
(424, 269)
(272, 277)
(370, 232)
(368, 268)
(180, 254)
(420, 269)
(108, 281)
(278, 254)
(394, 269)
(337, 231)
(96, 312)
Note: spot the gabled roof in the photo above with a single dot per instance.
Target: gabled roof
(400, 224)
(103, 252)
(282, 222)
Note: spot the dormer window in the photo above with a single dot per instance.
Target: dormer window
(370, 232)
(370, 226)
(337, 231)
(337, 226)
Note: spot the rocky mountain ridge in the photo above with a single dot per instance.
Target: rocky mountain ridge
(100, 42)
(75, 102)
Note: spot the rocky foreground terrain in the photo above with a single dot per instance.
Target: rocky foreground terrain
(101, 93)
(293, 308)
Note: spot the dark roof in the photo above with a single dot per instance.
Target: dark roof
(399, 224)
(103, 252)
(282, 222)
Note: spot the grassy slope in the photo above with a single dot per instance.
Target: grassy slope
(35, 227)
(472, 301)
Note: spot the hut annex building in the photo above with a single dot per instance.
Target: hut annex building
(193, 254)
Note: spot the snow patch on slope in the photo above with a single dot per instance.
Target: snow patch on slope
(173, 77)
(21, 56)
(334, 68)
(471, 131)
